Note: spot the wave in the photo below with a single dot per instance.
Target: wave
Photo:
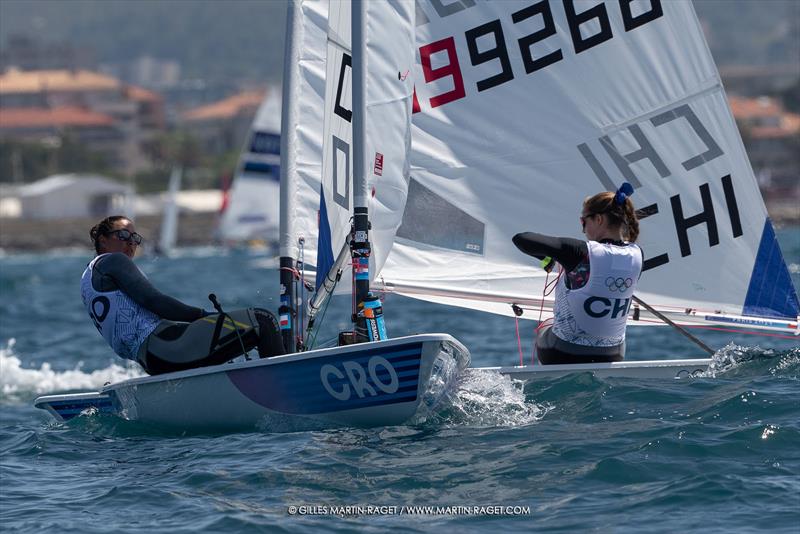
(734, 360)
(21, 384)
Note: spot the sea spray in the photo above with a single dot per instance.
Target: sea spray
(20, 384)
(736, 360)
(488, 399)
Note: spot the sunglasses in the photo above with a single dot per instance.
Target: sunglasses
(127, 235)
(583, 219)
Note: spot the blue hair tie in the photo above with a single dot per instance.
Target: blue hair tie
(624, 191)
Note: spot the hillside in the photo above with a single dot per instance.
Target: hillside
(243, 39)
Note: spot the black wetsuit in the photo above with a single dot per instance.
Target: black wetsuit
(187, 337)
(572, 254)
(117, 271)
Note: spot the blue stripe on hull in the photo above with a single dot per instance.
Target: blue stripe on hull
(771, 292)
(72, 408)
(335, 383)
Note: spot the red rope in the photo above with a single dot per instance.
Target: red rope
(547, 290)
(292, 270)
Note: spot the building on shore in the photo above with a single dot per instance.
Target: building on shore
(109, 117)
(222, 126)
(772, 138)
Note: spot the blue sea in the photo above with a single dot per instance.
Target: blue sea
(719, 453)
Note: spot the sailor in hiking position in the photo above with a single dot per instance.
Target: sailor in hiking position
(160, 332)
(595, 289)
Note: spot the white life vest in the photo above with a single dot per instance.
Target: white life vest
(120, 320)
(595, 315)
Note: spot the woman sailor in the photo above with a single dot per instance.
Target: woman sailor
(160, 332)
(594, 292)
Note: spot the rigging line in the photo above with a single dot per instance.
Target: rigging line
(321, 320)
(302, 286)
(291, 270)
(547, 290)
(519, 341)
(672, 324)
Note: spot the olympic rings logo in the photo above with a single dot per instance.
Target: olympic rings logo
(618, 284)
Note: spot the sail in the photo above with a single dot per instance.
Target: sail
(524, 109)
(301, 130)
(388, 51)
(388, 38)
(169, 226)
(336, 190)
(253, 206)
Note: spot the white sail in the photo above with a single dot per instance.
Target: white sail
(525, 109)
(388, 45)
(522, 110)
(169, 223)
(336, 192)
(252, 210)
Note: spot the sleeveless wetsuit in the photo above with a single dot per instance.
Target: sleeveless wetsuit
(592, 297)
(163, 334)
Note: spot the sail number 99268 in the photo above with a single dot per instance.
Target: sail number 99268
(587, 28)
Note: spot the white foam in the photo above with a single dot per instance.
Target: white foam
(487, 398)
(18, 383)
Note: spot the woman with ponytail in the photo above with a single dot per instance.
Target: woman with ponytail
(595, 291)
(162, 333)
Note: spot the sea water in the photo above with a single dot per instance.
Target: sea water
(717, 454)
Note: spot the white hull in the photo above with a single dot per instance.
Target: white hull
(369, 384)
(642, 369)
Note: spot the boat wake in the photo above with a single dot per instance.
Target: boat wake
(489, 399)
(735, 360)
(20, 384)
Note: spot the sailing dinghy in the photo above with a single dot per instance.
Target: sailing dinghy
(368, 380)
(522, 109)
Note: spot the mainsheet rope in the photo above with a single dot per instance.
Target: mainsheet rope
(547, 290)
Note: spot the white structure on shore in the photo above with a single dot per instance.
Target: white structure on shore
(65, 196)
(76, 196)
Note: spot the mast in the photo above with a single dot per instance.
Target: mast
(360, 247)
(288, 248)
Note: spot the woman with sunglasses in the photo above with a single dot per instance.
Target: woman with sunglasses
(162, 333)
(595, 288)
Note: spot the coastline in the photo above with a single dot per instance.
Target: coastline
(26, 235)
(194, 229)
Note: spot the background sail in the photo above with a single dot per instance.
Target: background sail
(525, 109)
(169, 223)
(253, 208)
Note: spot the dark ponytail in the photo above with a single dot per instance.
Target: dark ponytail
(631, 221)
(103, 228)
